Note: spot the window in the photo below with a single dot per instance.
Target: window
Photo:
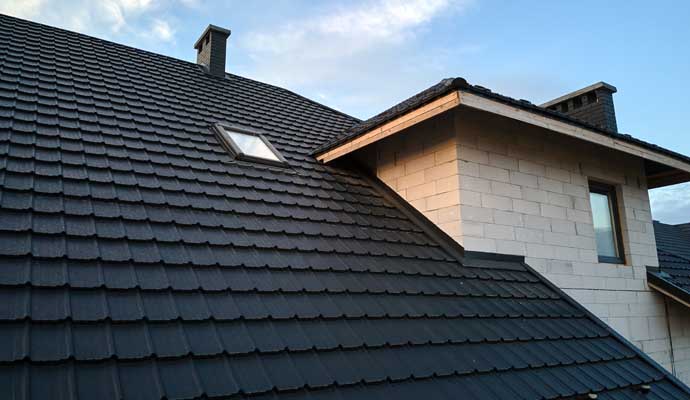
(249, 145)
(606, 226)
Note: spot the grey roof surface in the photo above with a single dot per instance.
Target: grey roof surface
(139, 260)
(673, 248)
(449, 85)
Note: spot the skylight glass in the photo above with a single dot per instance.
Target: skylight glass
(252, 145)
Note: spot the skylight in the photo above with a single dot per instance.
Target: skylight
(247, 144)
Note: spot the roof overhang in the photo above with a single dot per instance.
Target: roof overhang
(656, 281)
(663, 169)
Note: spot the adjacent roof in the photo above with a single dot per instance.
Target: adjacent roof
(449, 85)
(139, 260)
(673, 275)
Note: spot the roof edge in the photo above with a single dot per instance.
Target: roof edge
(566, 297)
(667, 288)
(458, 252)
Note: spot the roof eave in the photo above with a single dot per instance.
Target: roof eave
(667, 288)
(677, 171)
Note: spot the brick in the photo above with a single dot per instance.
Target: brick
(473, 229)
(551, 211)
(538, 250)
(473, 155)
(526, 207)
(510, 247)
(529, 235)
(470, 198)
(563, 226)
(442, 200)
(448, 214)
(529, 167)
(496, 202)
(447, 153)
(504, 232)
(493, 173)
(550, 185)
(447, 184)
(508, 218)
(585, 229)
(575, 190)
(506, 189)
(558, 199)
(534, 195)
(578, 216)
(479, 244)
(558, 174)
(537, 222)
(477, 214)
(420, 163)
(415, 179)
(501, 161)
(468, 168)
(522, 179)
(475, 184)
(441, 171)
(421, 191)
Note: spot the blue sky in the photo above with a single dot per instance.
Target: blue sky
(364, 56)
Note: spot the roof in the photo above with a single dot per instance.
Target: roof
(449, 85)
(139, 260)
(673, 248)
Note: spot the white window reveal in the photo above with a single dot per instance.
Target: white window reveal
(249, 145)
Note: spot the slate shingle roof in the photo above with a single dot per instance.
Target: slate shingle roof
(673, 249)
(139, 260)
(449, 85)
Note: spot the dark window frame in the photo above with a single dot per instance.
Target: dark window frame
(238, 154)
(610, 192)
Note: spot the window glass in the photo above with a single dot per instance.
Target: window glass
(252, 145)
(604, 229)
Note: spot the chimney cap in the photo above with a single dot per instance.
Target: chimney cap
(208, 29)
(590, 88)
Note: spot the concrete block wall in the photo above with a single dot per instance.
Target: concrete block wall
(500, 186)
(422, 167)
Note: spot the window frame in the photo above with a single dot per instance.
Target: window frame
(230, 145)
(610, 192)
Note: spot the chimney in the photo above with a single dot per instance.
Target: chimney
(593, 104)
(210, 50)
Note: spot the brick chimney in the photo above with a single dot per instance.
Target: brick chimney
(210, 49)
(593, 104)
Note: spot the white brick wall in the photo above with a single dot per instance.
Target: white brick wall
(499, 186)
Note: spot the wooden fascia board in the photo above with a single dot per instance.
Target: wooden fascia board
(666, 293)
(408, 119)
(495, 107)
(478, 102)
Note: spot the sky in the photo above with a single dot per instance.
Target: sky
(363, 56)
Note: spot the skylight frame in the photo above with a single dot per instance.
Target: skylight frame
(222, 131)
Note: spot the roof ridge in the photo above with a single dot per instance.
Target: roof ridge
(174, 59)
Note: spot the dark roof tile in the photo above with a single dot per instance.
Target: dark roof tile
(139, 260)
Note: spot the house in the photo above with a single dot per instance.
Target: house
(167, 231)
(670, 279)
(556, 184)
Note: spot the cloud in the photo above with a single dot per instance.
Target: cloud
(161, 29)
(104, 18)
(357, 46)
(671, 204)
